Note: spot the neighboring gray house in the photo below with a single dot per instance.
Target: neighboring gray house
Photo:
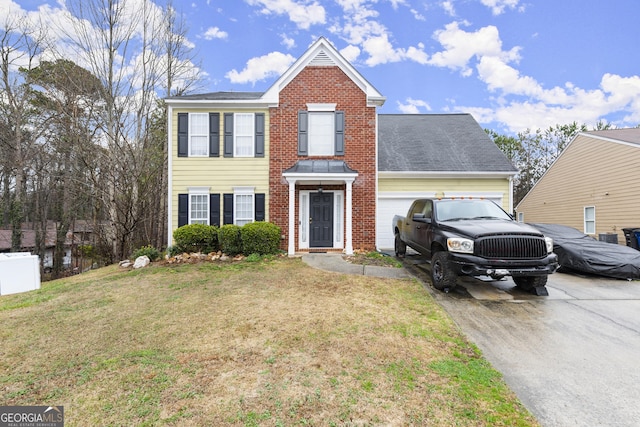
(436, 155)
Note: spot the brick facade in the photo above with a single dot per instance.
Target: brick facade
(325, 84)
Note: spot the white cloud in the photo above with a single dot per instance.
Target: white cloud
(350, 53)
(268, 66)
(447, 5)
(287, 41)
(462, 46)
(498, 6)
(381, 51)
(536, 108)
(303, 15)
(417, 15)
(413, 106)
(215, 33)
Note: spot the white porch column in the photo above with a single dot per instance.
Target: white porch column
(292, 218)
(348, 248)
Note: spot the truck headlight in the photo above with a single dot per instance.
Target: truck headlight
(458, 244)
(549, 242)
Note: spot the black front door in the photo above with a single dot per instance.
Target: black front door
(321, 220)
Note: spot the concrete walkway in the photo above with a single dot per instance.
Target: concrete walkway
(336, 263)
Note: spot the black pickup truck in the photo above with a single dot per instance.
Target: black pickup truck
(475, 237)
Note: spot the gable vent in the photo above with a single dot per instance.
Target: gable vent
(322, 60)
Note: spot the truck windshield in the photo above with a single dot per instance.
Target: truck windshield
(457, 210)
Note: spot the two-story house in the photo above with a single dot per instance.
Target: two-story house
(304, 156)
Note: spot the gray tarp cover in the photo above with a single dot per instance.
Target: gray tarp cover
(581, 253)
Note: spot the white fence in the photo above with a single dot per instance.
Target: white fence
(19, 272)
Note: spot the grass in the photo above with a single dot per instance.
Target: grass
(262, 343)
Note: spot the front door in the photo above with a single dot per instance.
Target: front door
(321, 220)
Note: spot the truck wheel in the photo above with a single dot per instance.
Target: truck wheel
(400, 246)
(442, 276)
(528, 283)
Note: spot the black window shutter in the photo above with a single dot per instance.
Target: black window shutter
(183, 135)
(214, 209)
(183, 209)
(339, 148)
(259, 130)
(260, 212)
(228, 134)
(214, 134)
(303, 133)
(228, 209)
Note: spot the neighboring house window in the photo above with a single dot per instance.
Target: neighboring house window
(520, 216)
(244, 134)
(590, 220)
(321, 131)
(198, 134)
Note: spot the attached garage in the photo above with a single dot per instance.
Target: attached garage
(435, 155)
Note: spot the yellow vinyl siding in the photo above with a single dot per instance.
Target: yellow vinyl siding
(473, 185)
(219, 174)
(591, 172)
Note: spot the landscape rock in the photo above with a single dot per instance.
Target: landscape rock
(141, 261)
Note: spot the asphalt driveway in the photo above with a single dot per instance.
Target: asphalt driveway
(573, 357)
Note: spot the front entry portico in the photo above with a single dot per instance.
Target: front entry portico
(324, 216)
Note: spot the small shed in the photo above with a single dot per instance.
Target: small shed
(19, 272)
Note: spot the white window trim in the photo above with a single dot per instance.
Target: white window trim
(235, 135)
(338, 218)
(585, 219)
(191, 134)
(199, 191)
(244, 191)
(321, 107)
(520, 216)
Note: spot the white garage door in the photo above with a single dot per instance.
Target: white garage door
(388, 207)
(390, 204)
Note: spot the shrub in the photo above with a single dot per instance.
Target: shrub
(196, 238)
(260, 237)
(229, 238)
(149, 251)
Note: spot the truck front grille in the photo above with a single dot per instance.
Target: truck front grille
(511, 247)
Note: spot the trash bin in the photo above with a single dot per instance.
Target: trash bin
(632, 236)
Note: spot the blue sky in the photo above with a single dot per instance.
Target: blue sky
(512, 64)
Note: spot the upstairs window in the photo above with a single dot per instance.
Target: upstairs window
(321, 134)
(321, 131)
(244, 134)
(198, 134)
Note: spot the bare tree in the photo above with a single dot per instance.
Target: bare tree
(20, 46)
(125, 47)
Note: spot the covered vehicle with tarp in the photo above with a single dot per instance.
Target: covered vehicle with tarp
(579, 252)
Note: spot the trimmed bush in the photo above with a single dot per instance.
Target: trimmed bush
(149, 251)
(196, 238)
(260, 237)
(230, 240)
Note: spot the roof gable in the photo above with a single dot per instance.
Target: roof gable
(322, 54)
(437, 143)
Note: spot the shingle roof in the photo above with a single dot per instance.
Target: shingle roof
(219, 96)
(437, 143)
(631, 135)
